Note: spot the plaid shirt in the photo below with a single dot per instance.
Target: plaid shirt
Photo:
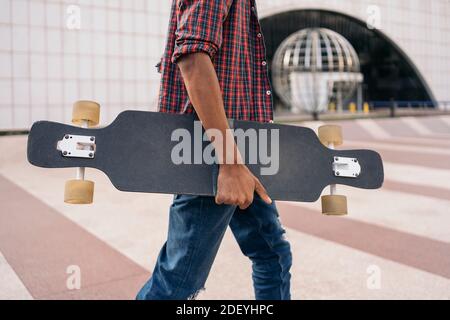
(230, 33)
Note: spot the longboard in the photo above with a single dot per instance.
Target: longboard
(135, 151)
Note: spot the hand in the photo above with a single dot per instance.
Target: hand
(236, 185)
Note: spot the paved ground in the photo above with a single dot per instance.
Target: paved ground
(394, 244)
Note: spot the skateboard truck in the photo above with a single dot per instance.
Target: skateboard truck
(85, 114)
(75, 146)
(334, 204)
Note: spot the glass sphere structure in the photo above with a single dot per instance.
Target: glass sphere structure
(315, 68)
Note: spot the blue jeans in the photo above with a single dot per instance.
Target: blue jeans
(196, 228)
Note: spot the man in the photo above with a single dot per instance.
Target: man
(214, 65)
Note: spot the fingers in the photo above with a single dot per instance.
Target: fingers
(227, 198)
(242, 201)
(261, 191)
(220, 199)
(246, 201)
(238, 188)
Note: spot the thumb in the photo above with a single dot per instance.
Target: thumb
(261, 191)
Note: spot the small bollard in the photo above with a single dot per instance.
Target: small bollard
(366, 108)
(352, 107)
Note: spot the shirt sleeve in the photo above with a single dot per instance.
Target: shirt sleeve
(199, 26)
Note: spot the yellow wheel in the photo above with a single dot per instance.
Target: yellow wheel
(86, 111)
(330, 134)
(79, 192)
(334, 205)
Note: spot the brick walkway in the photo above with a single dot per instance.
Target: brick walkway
(400, 232)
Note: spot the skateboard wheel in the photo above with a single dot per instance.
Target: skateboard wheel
(86, 111)
(330, 134)
(79, 192)
(334, 205)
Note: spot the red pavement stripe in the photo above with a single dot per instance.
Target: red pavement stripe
(430, 142)
(39, 244)
(416, 158)
(409, 157)
(438, 137)
(396, 128)
(427, 191)
(415, 251)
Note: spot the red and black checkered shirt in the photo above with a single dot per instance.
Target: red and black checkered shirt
(230, 33)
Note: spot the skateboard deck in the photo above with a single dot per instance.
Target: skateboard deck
(135, 152)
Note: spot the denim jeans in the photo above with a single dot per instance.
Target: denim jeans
(196, 228)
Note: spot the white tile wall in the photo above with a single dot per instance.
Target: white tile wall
(45, 66)
(5, 13)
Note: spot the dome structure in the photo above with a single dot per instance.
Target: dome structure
(315, 67)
